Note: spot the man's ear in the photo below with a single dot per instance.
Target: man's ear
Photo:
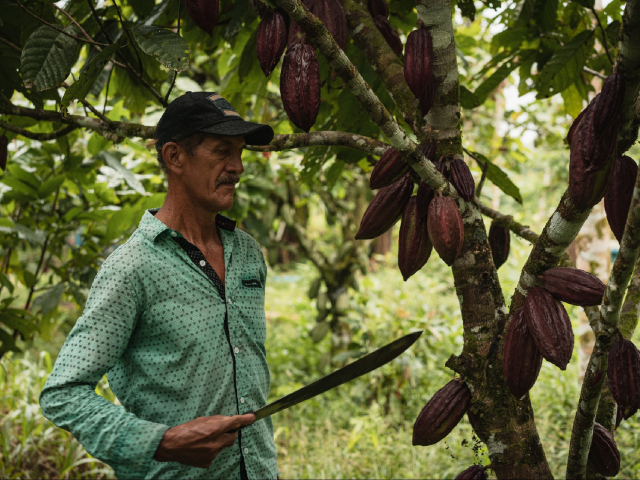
(173, 157)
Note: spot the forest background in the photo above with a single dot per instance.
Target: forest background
(70, 195)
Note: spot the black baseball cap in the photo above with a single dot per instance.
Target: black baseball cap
(207, 112)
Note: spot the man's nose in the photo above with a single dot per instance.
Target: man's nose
(235, 165)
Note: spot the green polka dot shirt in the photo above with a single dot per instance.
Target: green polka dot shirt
(176, 344)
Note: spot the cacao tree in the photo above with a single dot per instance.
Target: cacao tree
(357, 80)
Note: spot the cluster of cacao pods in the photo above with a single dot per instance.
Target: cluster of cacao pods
(380, 13)
(542, 329)
(457, 172)
(300, 75)
(429, 220)
(418, 67)
(441, 413)
(604, 457)
(617, 198)
(204, 14)
(4, 151)
(624, 376)
(500, 242)
(592, 141)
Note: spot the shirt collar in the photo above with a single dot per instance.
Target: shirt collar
(151, 227)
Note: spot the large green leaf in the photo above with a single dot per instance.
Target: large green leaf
(83, 85)
(114, 162)
(565, 66)
(545, 13)
(495, 79)
(169, 48)
(49, 299)
(498, 177)
(47, 58)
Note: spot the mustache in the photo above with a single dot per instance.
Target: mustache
(231, 178)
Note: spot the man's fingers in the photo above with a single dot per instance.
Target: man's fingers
(240, 421)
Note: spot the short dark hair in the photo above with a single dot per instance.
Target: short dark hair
(188, 144)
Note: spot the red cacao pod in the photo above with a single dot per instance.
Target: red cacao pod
(500, 243)
(442, 413)
(575, 124)
(385, 209)
(604, 457)
(428, 96)
(474, 472)
(389, 33)
(574, 286)
(425, 195)
(521, 359)
(388, 170)
(414, 246)
(617, 199)
(418, 60)
(271, 41)
(204, 14)
(624, 376)
(300, 85)
(462, 179)
(4, 151)
(331, 14)
(378, 7)
(445, 227)
(550, 326)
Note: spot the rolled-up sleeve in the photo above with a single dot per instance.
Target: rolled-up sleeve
(100, 336)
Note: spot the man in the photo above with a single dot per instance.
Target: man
(175, 317)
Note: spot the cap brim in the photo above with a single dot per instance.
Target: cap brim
(253, 133)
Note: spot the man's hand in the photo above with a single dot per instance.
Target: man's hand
(198, 442)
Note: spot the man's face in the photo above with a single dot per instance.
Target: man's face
(211, 173)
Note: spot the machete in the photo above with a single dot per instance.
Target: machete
(361, 366)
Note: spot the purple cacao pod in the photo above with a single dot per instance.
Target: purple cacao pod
(204, 14)
(378, 7)
(424, 197)
(428, 96)
(271, 41)
(500, 243)
(550, 326)
(624, 376)
(414, 246)
(521, 359)
(385, 209)
(4, 151)
(617, 199)
(418, 60)
(441, 413)
(445, 227)
(574, 286)
(388, 170)
(300, 85)
(474, 472)
(604, 457)
(462, 179)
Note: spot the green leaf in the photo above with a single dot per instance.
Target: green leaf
(4, 281)
(47, 58)
(572, 100)
(509, 39)
(565, 66)
(333, 173)
(49, 299)
(8, 343)
(467, 98)
(17, 319)
(19, 186)
(248, 57)
(28, 234)
(545, 13)
(613, 32)
(467, 9)
(496, 78)
(50, 186)
(586, 3)
(83, 85)
(114, 162)
(21, 174)
(498, 177)
(169, 48)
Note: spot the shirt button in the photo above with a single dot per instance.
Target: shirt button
(236, 350)
(241, 399)
(229, 301)
(202, 263)
(174, 234)
(246, 450)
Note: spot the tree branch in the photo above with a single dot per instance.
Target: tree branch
(385, 63)
(38, 136)
(594, 73)
(344, 139)
(133, 45)
(508, 222)
(7, 42)
(605, 330)
(604, 35)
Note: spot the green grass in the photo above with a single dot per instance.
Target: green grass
(360, 430)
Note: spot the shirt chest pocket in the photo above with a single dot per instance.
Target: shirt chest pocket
(250, 305)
